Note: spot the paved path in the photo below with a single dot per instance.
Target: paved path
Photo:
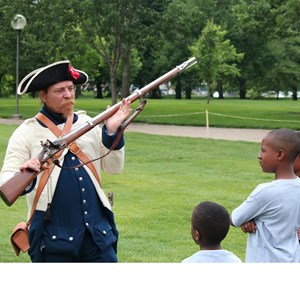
(232, 134)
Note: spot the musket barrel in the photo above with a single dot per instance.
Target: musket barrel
(185, 65)
(166, 77)
(133, 97)
(22, 179)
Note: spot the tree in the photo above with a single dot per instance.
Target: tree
(285, 46)
(150, 62)
(8, 46)
(112, 29)
(284, 74)
(42, 41)
(133, 42)
(252, 22)
(180, 24)
(216, 56)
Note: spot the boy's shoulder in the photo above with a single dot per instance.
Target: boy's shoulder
(278, 184)
(213, 256)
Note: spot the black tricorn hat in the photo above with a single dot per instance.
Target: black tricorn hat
(42, 78)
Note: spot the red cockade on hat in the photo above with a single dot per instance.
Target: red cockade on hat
(75, 74)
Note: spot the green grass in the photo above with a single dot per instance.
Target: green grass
(10, 216)
(268, 114)
(165, 177)
(163, 180)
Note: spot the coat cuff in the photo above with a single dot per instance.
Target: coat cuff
(29, 188)
(108, 140)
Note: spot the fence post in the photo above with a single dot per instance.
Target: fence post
(207, 124)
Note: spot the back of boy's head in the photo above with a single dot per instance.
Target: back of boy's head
(287, 140)
(298, 135)
(212, 221)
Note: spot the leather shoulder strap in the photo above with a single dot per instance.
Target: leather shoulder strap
(45, 176)
(47, 172)
(73, 147)
(55, 130)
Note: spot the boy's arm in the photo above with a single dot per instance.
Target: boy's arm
(251, 208)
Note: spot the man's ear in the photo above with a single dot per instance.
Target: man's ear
(42, 95)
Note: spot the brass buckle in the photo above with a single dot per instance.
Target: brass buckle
(73, 147)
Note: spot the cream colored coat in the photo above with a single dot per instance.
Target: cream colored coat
(25, 144)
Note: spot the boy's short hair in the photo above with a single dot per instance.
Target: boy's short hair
(212, 220)
(287, 140)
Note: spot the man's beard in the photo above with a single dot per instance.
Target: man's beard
(66, 107)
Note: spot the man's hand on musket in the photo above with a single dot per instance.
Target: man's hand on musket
(33, 164)
(114, 122)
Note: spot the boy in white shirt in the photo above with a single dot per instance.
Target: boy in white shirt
(273, 207)
(210, 225)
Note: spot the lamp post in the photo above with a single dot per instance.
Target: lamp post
(18, 23)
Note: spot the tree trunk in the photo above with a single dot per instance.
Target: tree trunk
(208, 92)
(188, 93)
(77, 91)
(294, 95)
(99, 94)
(155, 93)
(178, 89)
(113, 63)
(220, 89)
(0, 86)
(243, 89)
(113, 82)
(125, 72)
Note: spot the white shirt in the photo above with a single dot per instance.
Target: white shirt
(275, 208)
(25, 143)
(212, 256)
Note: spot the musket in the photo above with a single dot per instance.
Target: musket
(16, 185)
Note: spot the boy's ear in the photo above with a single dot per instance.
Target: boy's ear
(280, 154)
(196, 235)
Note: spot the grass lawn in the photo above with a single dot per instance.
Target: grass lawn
(165, 177)
(234, 113)
(163, 180)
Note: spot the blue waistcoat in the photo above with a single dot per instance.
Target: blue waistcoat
(75, 209)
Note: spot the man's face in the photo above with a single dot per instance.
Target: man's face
(59, 97)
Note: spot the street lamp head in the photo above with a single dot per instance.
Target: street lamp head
(18, 22)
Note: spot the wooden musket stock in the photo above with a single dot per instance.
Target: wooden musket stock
(15, 186)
